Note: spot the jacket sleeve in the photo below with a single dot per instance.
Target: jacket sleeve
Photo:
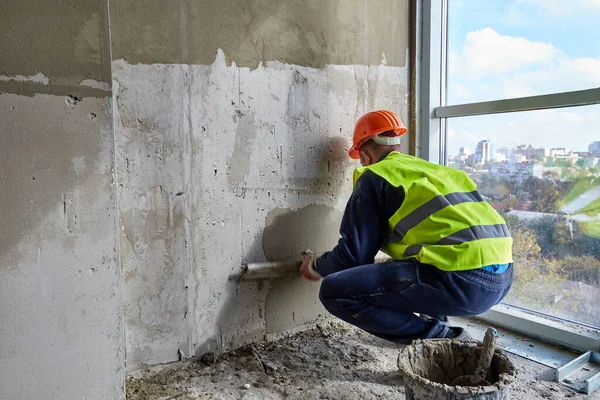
(364, 225)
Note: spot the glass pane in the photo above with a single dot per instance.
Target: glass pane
(501, 49)
(540, 170)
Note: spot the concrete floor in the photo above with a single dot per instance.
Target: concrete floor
(331, 361)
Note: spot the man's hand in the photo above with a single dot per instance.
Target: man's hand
(307, 270)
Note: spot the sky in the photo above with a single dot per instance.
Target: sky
(513, 48)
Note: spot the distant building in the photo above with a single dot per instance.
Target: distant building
(517, 158)
(464, 151)
(571, 158)
(559, 151)
(485, 152)
(519, 171)
(471, 160)
(500, 157)
(594, 148)
(539, 171)
(530, 152)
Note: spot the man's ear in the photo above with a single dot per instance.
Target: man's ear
(365, 159)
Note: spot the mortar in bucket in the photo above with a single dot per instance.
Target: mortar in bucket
(429, 368)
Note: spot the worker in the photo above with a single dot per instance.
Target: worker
(451, 251)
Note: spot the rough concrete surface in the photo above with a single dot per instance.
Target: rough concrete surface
(65, 41)
(331, 361)
(207, 155)
(312, 33)
(60, 303)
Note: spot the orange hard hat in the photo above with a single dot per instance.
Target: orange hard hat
(374, 123)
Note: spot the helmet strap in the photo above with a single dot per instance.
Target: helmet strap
(386, 140)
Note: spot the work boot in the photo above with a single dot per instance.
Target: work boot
(463, 335)
(456, 333)
(441, 318)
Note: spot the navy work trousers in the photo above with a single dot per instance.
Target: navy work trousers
(383, 298)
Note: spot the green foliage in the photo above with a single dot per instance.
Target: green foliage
(554, 257)
(582, 162)
(543, 229)
(552, 175)
(538, 281)
(544, 194)
(584, 244)
(494, 189)
(556, 238)
(582, 269)
(563, 163)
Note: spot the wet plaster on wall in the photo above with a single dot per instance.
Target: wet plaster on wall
(292, 301)
(289, 233)
(207, 157)
(66, 41)
(312, 33)
(61, 331)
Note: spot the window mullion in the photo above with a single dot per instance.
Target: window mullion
(432, 78)
(548, 101)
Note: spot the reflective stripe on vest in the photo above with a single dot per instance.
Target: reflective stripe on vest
(443, 220)
(429, 208)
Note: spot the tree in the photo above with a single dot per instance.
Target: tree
(584, 269)
(544, 233)
(562, 239)
(582, 163)
(511, 203)
(537, 280)
(553, 175)
(544, 194)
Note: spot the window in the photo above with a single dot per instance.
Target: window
(501, 49)
(530, 170)
(510, 94)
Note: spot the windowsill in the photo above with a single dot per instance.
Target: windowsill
(558, 332)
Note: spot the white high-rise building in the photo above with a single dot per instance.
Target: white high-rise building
(485, 152)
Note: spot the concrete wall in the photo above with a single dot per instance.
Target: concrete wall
(60, 297)
(232, 124)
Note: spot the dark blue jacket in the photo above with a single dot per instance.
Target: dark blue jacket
(364, 225)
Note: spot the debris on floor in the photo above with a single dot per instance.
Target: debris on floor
(331, 361)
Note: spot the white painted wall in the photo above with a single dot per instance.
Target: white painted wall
(204, 154)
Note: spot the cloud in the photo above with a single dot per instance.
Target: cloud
(568, 128)
(572, 128)
(454, 64)
(515, 67)
(461, 138)
(462, 92)
(567, 74)
(486, 52)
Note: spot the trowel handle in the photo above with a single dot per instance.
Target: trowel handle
(271, 269)
(280, 269)
(487, 353)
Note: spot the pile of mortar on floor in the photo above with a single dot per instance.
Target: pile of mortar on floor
(331, 361)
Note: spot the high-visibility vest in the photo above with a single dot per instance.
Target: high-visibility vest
(443, 220)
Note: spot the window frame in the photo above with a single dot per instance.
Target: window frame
(432, 115)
